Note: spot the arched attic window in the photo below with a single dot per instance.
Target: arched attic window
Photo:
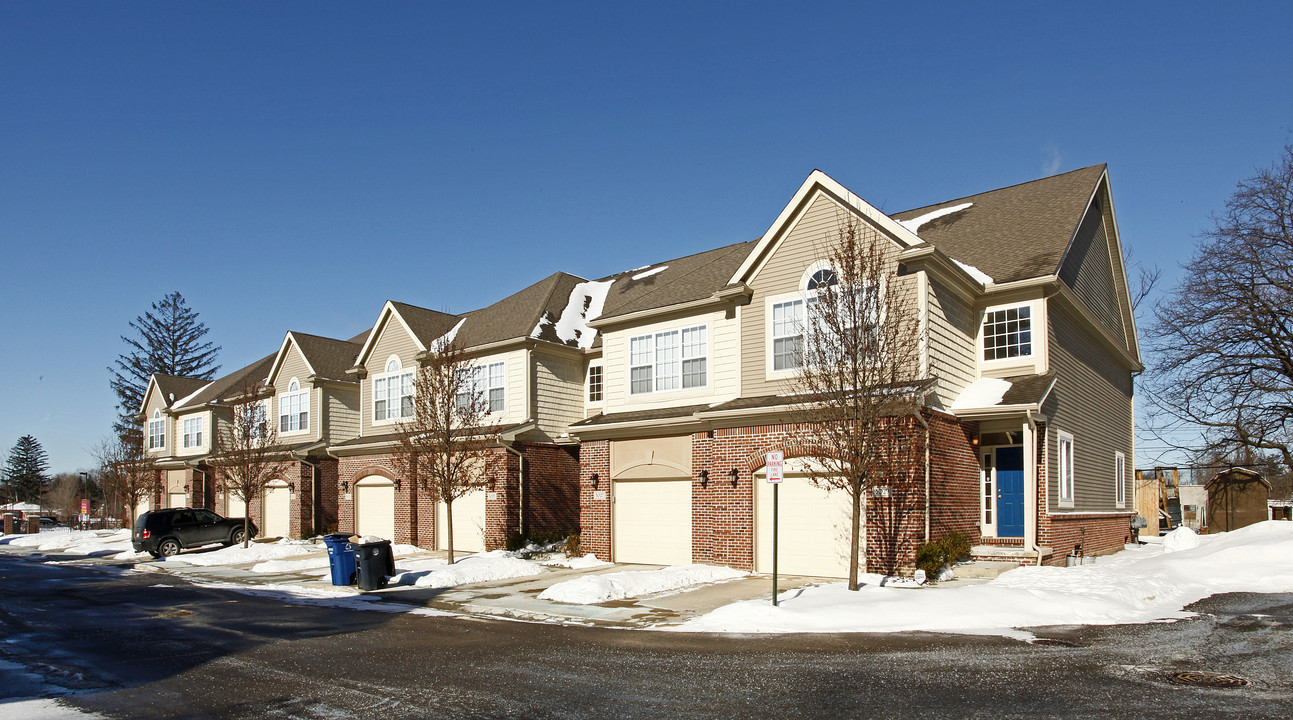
(294, 409)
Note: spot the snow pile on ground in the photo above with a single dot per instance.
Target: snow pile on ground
(45, 709)
(577, 563)
(1182, 538)
(483, 567)
(591, 589)
(237, 554)
(91, 543)
(307, 566)
(1133, 586)
(346, 598)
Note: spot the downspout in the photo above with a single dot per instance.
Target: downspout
(924, 424)
(1031, 461)
(520, 486)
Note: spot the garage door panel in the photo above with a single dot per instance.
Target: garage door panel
(278, 511)
(234, 507)
(468, 523)
(814, 529)
(375, 509)
(652, 521)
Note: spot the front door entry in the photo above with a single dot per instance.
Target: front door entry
(1010, 491)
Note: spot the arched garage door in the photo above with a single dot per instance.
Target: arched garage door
(651, 521)
(813, 529)
(278, 509)
(375, 507)
(468, 523)
(234, 507)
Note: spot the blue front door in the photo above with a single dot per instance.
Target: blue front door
(1010, 491)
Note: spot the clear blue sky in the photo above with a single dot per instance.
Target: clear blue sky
(293, 165)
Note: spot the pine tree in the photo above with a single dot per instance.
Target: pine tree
(25, 470)
(167, 340)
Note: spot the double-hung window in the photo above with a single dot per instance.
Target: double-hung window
(596, 378)
(1064, 465)
(393, 393)
(669, 360)
(257, 419)
(156, 431)
(294, 409)
(1008, 333)
(192, 432)
(1120, 479)
(486, 382)
(788, 335)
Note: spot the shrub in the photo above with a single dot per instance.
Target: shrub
(515, 541)
(572, 545)
(933, 556)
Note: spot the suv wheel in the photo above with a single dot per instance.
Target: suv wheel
(237, 536)
(168, 547)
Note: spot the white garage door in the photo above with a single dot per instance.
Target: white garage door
(468, 523)
(651, 522)
(375, 507)
(813, 532)
(234, 507)
(177, 498)
(144, 506)
(278, 509)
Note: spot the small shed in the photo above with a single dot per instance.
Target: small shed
(1237, 498)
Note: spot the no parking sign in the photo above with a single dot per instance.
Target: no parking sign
(776, 466)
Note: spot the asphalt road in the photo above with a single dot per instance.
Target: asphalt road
(149, 645)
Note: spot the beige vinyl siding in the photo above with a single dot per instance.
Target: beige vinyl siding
(1092, 401)
(392, 339)
(722, 373)
(806, 242)
(559, 391)
(1088, 269)
(953, 327)
(294, 366)
(157, 402)
(342, 418)
(516, 406)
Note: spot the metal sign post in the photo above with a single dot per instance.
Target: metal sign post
(775, 462)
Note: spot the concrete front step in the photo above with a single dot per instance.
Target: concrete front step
(984, 568)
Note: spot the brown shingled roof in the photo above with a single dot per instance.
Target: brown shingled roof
(329, 357)
(1016, 232)
(234, 383)
(174, 387)
(692, 277)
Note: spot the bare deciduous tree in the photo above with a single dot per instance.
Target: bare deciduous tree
(246, 454)
(126, 474)
(1223, 358)
(859, 365)
(442, 448)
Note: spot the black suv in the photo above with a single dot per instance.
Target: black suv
(166, 532)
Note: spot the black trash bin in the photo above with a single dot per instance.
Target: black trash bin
(374, 562)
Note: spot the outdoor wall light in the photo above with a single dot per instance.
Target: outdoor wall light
(291, 487)
(704, 478)
(734, 476)
(594, 479)
(186, 488)
(345, 486)
(493, 481)
(396, 483)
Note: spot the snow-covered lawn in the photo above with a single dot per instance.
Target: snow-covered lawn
(98, 543)
(254, 552)
(483, 567)
(591, 589)
(1149, 583)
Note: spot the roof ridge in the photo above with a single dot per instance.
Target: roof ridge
(1005, 187)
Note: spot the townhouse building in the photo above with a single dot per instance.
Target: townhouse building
(638, 408)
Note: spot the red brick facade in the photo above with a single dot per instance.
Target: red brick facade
(723, 516)
(547, 500)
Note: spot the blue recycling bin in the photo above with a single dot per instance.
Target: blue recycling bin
(341, 557)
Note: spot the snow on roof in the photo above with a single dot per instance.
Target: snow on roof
(586, 302)
(974, 272)
(914, 224)
(649, 273)
(180, 403)
(984, 392)
(447, 339)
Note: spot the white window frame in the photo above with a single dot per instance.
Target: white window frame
(394, 371)
(599, 386)
(1064, 468)
(686, 351)
(1033, 339)
(490, 381)
(790, 323)
(297, 400)
(1120, 479)
(192, 432)
(157, 431)
(988, 497)
(260, 420)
